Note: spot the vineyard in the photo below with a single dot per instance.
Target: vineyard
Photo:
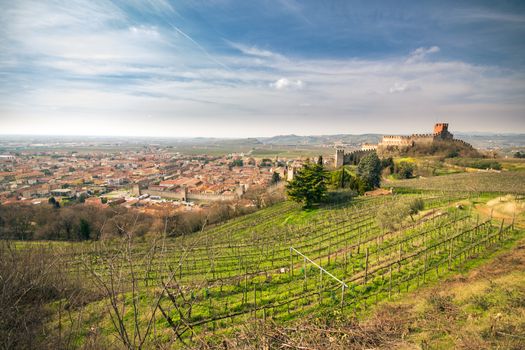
(279, 263)
(483, 181)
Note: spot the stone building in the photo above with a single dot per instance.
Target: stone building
(398, 143)
(401, 141)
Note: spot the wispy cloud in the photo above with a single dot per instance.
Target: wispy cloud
(480, 15)
(254, 50)
(142, 68)
(420, 53)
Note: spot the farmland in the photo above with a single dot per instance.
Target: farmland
(278, 264)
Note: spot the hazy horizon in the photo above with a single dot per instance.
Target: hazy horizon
(470, 133)
(231, 69)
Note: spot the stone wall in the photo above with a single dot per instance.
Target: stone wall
(210, 197)
(392, 140)
(423, 139)
(187, 196)
(166, 194)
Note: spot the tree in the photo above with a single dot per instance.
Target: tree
(388, 163)
(309, 185)
(342, 178)
(392, 215)
(265, 162)
(82, 198)
(404, 170)
(84, 229)
(369, 170)
(54, 202)
(275, 178)
(320, 160)
(415, 207)
(237, 162)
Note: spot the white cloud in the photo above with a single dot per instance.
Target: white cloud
(285, 84)
(91, 69)
(398, 87)
(420, 53)
(402, 87)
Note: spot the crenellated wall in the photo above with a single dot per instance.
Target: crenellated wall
(396, 143)
(185, 195)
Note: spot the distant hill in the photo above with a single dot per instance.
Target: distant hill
(492, 140)
(477, 140)
(344, 139)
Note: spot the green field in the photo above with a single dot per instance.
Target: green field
(208, 284)
(481, 181)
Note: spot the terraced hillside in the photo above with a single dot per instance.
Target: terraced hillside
(280, 263)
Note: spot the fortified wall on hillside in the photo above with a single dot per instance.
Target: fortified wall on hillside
(441, 133)
(402, 142)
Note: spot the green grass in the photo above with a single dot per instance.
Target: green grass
(502, 182)
(223, 265)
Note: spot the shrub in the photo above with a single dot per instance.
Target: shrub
(29, 281)
(476, 163)
(404, 170)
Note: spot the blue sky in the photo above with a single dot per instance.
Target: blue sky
(260, 68)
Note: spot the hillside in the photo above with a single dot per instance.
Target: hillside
(480, 307)
(198, 289)
(480, 181)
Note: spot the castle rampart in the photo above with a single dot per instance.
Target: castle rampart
(391, 142)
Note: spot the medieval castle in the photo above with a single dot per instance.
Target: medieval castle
(396, 142)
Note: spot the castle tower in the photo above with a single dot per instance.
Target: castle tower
(440, 128)
(184, 194)
(339, 158)
(441, 131)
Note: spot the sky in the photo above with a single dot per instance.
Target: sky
(221, 68)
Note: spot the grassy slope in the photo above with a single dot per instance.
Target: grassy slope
(479, 309)
(481, 306)
(504, 182)
(276, 219)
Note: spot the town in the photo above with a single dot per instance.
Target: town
(150, 178)
(155, 177)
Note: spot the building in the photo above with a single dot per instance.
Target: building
(401, 141)
(6, 157)
(62, 192)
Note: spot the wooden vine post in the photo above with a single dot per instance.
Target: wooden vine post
(366, 265)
